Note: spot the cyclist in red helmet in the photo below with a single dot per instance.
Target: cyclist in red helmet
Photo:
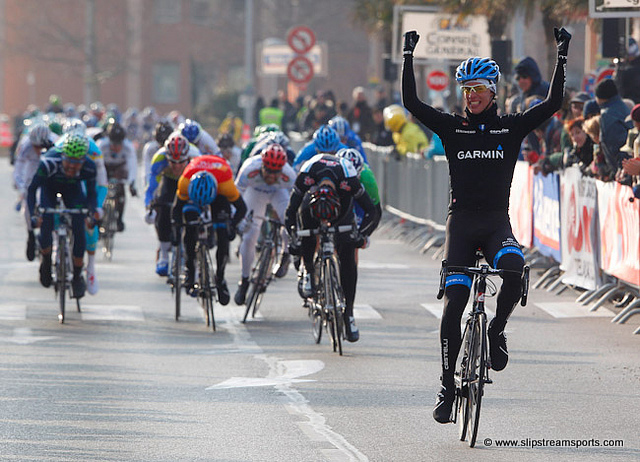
(263, 180)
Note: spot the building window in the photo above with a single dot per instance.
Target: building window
(168, 11)
(201, 12)
(166, 83)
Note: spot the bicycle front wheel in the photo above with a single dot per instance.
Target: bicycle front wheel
(110, 228)
(463, 373)
(61, 276)
(205, 283)
(176, 287)
(336, 301)
(478, 371)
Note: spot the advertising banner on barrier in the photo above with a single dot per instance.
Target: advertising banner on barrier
(619, 225)
(521, 204)
(546, 215)
(579, 230)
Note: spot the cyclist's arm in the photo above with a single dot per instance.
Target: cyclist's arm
(158, 164)
(36, 182)
(132, 161)
(429, 116)
(372, 217)
(533, 117)
(241, 211)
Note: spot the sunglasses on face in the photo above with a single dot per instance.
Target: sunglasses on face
(268, 171)
(466, 89)
(178, 162)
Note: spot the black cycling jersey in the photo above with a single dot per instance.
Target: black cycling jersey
(345, 178)
(482, 149)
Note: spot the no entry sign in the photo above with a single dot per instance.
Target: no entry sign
(301, 39)
(300, 69)
(437, 80)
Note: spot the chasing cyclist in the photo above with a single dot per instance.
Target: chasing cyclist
(482, 149)
(325, 190)
(62, 170)
(219, 193)
(263, 180)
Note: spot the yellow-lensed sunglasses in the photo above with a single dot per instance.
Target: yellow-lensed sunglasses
(480, 88)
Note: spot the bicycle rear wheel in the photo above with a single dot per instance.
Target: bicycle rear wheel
(61, 276)
(257, 283)
(317, 323)
(478, 370)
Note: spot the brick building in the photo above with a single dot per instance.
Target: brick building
(171, 54)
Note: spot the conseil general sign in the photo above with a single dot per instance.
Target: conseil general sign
(448, 37)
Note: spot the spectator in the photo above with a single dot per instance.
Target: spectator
(530, 82)
(407, 136)
(381, 99)
(576, 106)
(581, 152)
(289, 112)
(599, 167)
(590, 109)
(360, 116)
(613, 127)
(627, 76)
(232, 125)
(271, 114)
(381, 135)
(631, 167)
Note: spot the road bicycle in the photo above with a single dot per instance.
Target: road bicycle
(263, 271)
(327, 304)
(109, 223)
(62, 263)
(204, 288)
(472, 371)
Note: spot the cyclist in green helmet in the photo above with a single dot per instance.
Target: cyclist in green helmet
(62, 170)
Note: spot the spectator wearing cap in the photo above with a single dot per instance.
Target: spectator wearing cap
(530, 82)
(613, 126)
(576, 106)
(627, 76)
(590, 109)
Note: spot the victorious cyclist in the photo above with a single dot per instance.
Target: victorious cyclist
(482, 149)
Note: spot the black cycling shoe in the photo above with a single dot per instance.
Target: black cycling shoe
(497, 348)
(444, 402)
(31, 246)
(351, 332)
(223, 292)
(78, 287)
(45, 271)
(120, 225)
(283, 267)
(241, 293)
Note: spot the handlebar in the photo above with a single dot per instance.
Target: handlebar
(54, 210)
(321, 230)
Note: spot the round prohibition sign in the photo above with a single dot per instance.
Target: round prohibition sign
(301, 39)
(300, 69)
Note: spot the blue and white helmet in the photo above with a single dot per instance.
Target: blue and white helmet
(353, 156)
(191, 130)
(340, 125)
(203, 188)
(478, 68)
(326, 139)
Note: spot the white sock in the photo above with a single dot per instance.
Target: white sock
(164, 251)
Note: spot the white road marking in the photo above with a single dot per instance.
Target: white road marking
(363, 264)
(23, 336)
(572, 310)
(127, 313)
(365, 312)
(13, 312)
(436, 309)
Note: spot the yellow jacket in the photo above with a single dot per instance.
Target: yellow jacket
(410, 138)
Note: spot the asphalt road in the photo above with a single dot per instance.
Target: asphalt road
(123, 381)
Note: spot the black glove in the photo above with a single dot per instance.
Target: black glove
(410, 41)
(294, 247)
(231, 232)
(563, 37)
(133, 190)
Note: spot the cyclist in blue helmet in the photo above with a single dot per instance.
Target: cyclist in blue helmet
(347, 135)
(199, 137)
(482, 149)
(203, 188)
(325, 141)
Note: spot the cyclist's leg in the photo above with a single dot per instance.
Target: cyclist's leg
(459, 251)
(221, 211)
(307, 244)
(279, 202)
(73, 198)
(164, 197)
(503, 251)
(348, 280)
(256, 204)
(47, 199)
(190, 238)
